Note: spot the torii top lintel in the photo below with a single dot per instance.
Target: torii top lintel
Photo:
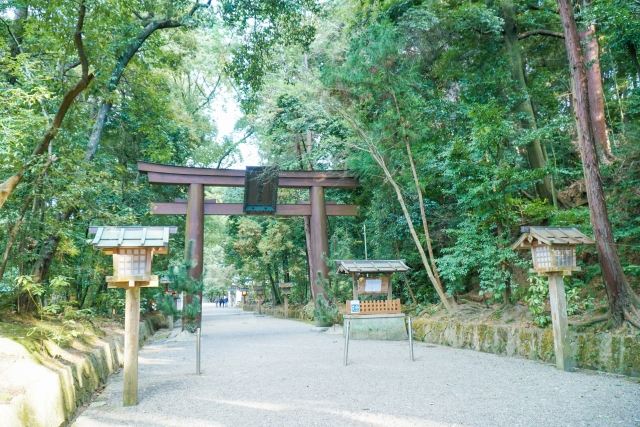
(182, 175)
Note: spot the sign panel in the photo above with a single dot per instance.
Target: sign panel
(373, 285)
(355, 306)
(260, 190)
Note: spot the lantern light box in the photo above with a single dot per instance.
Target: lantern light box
(132, 249)
(553, 249)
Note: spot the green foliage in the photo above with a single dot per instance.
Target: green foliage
(478, 254)
(325, 313)
(181, 281)
(314, 79)
(537, 297)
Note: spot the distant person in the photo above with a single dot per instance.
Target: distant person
(226, 301)
(217, 300)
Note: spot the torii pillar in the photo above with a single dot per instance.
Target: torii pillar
(195, 232)
(319, 238)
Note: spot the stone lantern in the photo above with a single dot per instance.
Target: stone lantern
(285, 288)
(554, 255)
(132, 249)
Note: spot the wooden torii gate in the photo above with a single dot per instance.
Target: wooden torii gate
(196, 207)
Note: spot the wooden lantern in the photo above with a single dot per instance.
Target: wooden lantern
(259, 290)
(554, 255)
(285, 288)
(132, 249)
(552, 249)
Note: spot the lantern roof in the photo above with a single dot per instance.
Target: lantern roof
(132, 237)
(372, 266)
(550, 236)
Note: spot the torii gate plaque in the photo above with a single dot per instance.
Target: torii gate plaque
(196, 206)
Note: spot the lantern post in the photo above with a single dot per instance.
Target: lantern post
(132, 249)
(285, 288)
(554, 255)
(259, 291)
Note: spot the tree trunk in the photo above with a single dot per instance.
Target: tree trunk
(274, 289)
(535, 152)
(596, 99)
(633, 54)
(416, 181)
(40, 269)
(618, 290)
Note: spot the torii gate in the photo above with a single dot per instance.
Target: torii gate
(196, 207)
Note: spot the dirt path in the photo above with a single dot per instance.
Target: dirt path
(260, 371)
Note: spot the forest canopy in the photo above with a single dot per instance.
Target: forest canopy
(462, 120)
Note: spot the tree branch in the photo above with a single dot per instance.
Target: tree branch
(67, 67)
(233, 147)
(12, 182)
(15, 40)
(211, 94)
(540, 32)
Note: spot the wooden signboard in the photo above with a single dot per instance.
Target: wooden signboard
(373, 285)
(260, 190)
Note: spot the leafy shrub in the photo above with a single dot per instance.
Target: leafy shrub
(537, 299)
(324, 313)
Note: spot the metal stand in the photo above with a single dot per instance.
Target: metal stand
(346, 342)
(410, 337)
(198, 351)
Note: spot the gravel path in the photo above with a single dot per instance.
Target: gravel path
(261, 371)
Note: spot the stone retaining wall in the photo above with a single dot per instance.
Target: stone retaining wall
(609, 352)
(53, 388)
(295, 313)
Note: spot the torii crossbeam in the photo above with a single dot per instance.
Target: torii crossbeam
(196, 206)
